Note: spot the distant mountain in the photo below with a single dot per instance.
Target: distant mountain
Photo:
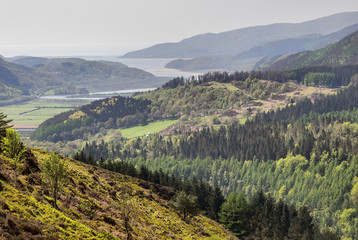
(28, 61)
(288, 46)
(344, 52)
(250, 59)
(11, 88)
(213, 63)
(24, 75)
(236, 41)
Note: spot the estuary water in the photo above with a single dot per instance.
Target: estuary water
(93, 94)
(156, 66)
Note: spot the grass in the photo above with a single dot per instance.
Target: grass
(308, 90)
(153, 127)
(33, 113)
(242, 121)
(228, 86)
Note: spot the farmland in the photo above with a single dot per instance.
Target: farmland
(32, 113)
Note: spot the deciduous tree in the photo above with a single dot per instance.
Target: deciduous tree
(14, 149)
(55, 171)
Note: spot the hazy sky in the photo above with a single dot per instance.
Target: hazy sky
(113, 27)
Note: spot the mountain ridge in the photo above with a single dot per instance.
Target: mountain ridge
(249, 59)
(343, 52)
(283, 47)
(236, 41)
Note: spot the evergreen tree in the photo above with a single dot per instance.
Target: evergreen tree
(233, 214)
(216, 200)
(4, 124)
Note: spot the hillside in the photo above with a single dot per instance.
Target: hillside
(91, 206)
(28, 61)
(242, 131)
(306, 154)
(61, 76)
(213, 63)
(248, 59)
(344, 52)
(207, 102)
(11, 90)
(288, 46)
(236, 41)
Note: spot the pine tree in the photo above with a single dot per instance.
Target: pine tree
(233, 214)
(216, 200)
(4, 124)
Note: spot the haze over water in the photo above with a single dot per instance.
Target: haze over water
(152, 65)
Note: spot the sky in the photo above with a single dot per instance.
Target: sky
(114, 27)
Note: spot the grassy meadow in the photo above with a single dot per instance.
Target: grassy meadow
(153, 127)
(32, 113)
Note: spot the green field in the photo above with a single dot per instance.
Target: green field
(34, 112)
(149, 128)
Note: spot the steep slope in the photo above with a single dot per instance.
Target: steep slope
(236, 41)
(92, 206)
(344, 52)
(11, 90)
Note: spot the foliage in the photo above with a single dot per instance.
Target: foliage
(13, 148)
(263, 218)
(234, 214)
(3, 124)
(226, 96)
(354, 193)
(109, 113)
(209, 198)
(128, 208)
(186, 204)
(319, 79)
(55, 171)
(305, 153)
(348, 223)
(30, 215)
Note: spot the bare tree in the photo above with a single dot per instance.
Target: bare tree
(127, 206)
